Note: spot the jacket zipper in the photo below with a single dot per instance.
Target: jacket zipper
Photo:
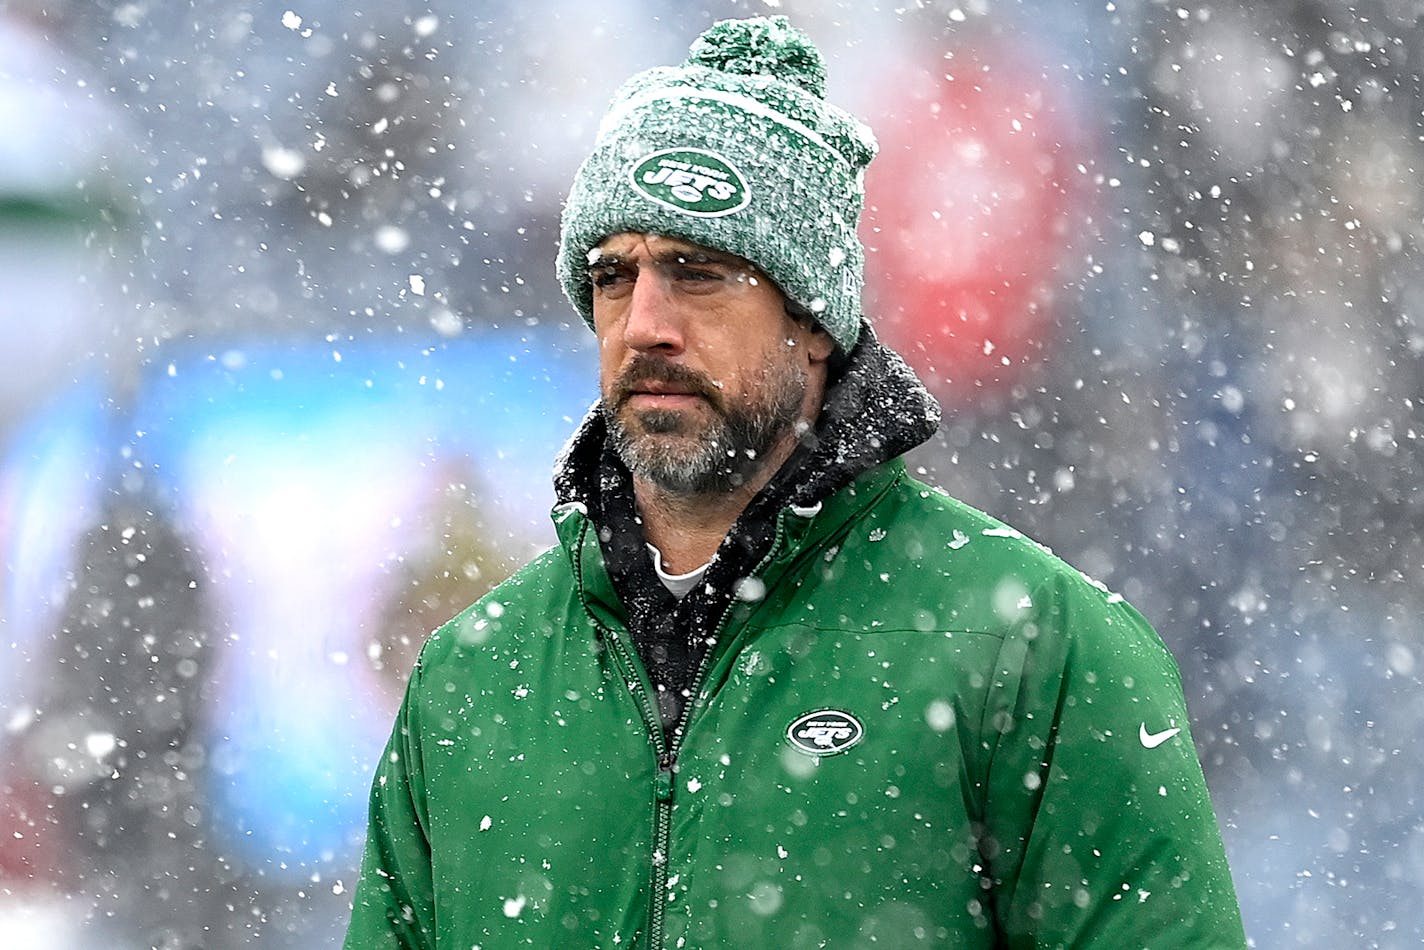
(667, 752)
(662, 841)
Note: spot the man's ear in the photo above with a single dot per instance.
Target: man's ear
(820, 346)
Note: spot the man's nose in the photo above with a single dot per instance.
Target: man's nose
(655, 321)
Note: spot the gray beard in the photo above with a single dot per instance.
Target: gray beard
(727, 454)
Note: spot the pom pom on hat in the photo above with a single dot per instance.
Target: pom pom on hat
(738, 150)
(762, 46)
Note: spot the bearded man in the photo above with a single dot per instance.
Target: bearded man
(768, 690)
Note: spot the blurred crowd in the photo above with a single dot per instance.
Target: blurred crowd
(283, 369)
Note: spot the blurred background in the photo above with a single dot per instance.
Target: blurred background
(283, 369)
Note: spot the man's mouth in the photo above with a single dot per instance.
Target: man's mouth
(661, 397)
(663, 387)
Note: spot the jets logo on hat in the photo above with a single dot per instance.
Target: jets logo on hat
(825, 732)
(692, 181)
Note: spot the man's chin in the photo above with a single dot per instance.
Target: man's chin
(668, 448)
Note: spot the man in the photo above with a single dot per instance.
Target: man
(769, 691)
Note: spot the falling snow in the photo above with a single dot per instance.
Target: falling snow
(302, 369)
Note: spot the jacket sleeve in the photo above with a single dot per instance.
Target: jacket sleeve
(394, 904)
(1098, 830)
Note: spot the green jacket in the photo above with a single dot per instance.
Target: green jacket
(916, 729)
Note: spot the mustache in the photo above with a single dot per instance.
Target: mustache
(649, 369)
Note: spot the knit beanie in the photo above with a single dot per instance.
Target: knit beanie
(736, 150)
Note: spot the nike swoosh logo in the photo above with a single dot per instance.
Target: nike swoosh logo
(1151, 740)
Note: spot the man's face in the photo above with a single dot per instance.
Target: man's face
(704, 375)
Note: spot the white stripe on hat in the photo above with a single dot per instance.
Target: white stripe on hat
(737, 100)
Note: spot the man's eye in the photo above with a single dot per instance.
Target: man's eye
(697, 275)
(609, 280)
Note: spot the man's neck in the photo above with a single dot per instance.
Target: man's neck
(687, 530)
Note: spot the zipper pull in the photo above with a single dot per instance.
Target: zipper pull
(662, 782)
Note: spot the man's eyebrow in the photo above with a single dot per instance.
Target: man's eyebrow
(674, 255)
(606, 259)
(699, 255)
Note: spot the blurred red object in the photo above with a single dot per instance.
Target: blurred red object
(967, 213)
(29, 838)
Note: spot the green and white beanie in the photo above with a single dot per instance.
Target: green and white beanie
(737, 150)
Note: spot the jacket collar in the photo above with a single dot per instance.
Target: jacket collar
(579, 540)
(801, 528)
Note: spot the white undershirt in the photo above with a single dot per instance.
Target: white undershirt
(678, 584)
